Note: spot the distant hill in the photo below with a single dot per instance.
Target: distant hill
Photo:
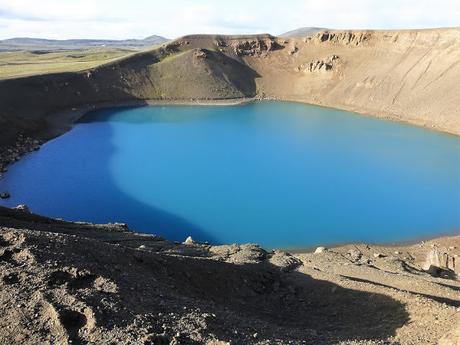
(301, 32)
(26, 43)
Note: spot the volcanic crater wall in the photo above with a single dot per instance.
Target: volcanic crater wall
(408, 75)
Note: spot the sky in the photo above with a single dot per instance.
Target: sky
(120, 19)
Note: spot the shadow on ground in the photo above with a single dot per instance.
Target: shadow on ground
(167, 294)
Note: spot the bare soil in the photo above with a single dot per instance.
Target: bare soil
(81, 283)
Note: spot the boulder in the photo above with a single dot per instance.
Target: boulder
(320, 250)
(235, 253)
(355, 255)
(189, 240)
(22, 208)
(439, 263)
(285, 261)
(200, 54)
(435, 258)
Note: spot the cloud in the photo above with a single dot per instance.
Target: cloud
(376, 14)
(52, 10)
(140, 18)
(11, 14)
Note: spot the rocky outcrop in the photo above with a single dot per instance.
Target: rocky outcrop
(323, 65)
(255, 47)
(285, 261)
(346, 38)
(440, 263)
(236, 253)
(176, 45)
(200, 54)
(14, 152)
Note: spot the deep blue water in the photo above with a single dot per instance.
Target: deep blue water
(279, 174)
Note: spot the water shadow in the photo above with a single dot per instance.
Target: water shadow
(82, 187)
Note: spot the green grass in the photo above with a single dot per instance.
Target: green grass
(23, 63)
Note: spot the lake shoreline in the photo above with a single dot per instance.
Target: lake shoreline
(76, 114)
(61, 122)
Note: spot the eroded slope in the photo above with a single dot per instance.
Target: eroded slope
(405, 75)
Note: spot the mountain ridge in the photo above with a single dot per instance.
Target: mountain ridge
(408, 76)
(302, 32)
(32, 43)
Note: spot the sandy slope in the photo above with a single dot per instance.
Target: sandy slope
(404, 75)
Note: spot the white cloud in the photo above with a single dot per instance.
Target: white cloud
(376, 14)
(140, 18)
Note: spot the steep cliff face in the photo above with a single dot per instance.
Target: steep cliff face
(346, 38)
(406, 75)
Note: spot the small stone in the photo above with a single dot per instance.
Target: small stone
(201, 54)
(320, 250)
(22, 208)
(189, 240)
(379, 255)
(398, 252)
(355, 255)
(141, 247)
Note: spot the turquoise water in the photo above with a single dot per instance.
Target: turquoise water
(279, 174)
